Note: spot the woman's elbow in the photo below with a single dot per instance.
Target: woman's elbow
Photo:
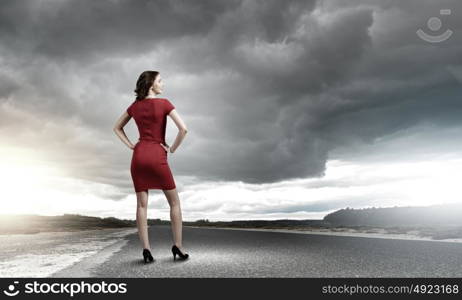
(184, 130)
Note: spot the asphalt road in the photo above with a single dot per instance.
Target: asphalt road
(242, 253)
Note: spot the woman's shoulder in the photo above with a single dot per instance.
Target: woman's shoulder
(132, 103)
(157, 99)
(166, 101)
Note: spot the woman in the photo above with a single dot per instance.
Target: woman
(149, 165)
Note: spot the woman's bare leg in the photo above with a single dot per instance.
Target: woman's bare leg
(142, 218)
(175, 216)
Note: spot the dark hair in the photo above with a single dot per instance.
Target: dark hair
(144, 82)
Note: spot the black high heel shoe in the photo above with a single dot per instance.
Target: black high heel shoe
(147, 256)
(176, 250)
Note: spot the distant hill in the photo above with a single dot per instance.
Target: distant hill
(11, 224)
(282, 223)
(29, 224)
(426, 216)
(445, 214)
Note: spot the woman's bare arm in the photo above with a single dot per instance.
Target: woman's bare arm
(182, 130)
(119, 129)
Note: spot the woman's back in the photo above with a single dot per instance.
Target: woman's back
(149, 165)
(150, 115)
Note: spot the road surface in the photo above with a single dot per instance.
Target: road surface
(243, 253)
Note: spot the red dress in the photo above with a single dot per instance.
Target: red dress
(149, 166)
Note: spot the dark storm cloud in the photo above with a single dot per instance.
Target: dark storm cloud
(273, 86)
(87, 30)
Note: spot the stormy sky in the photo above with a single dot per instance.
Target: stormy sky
(294, 108)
